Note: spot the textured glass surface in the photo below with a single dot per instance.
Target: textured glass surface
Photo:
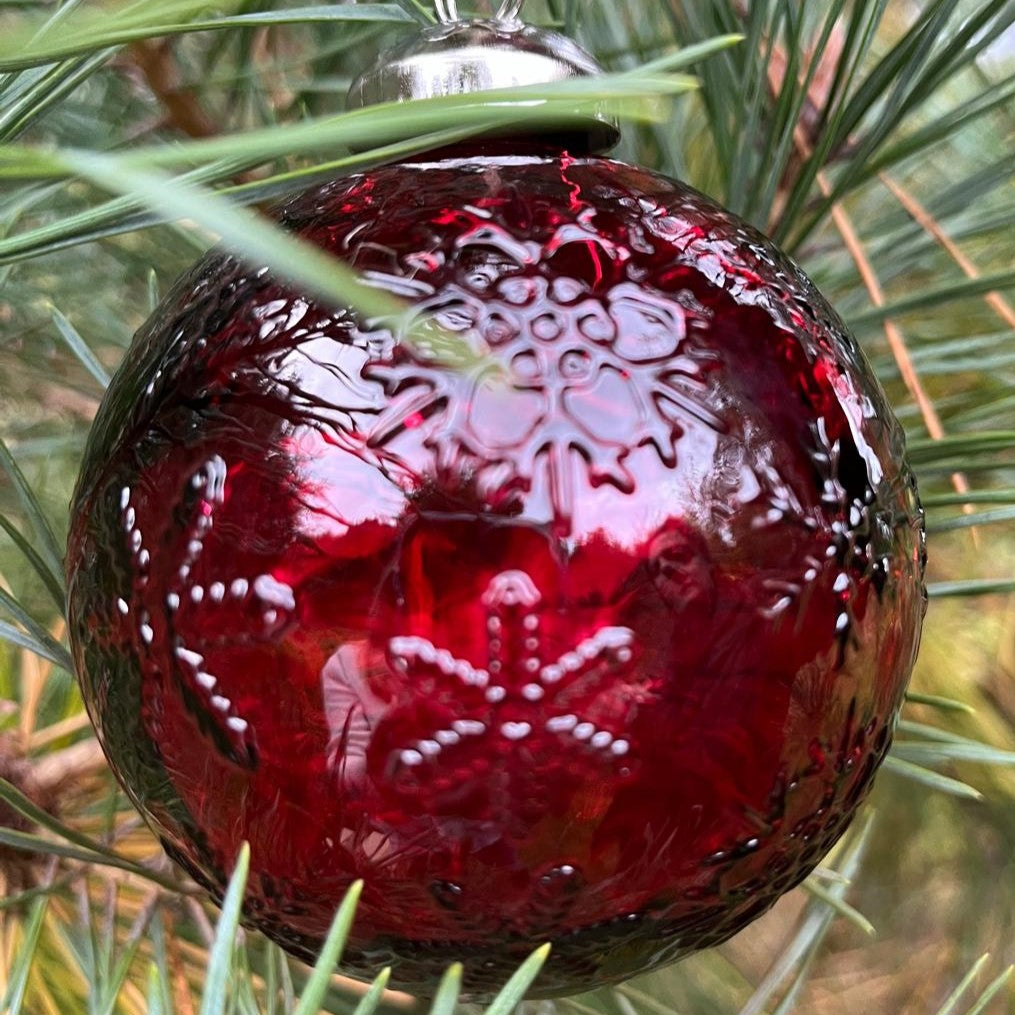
(599, 641)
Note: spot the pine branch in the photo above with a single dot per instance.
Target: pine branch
(906, 162)
(182, 105)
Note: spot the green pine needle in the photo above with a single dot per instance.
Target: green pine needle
(52, 580)
(88, 30)
(317, 985)
(941, 703)
(15, 995)
(446, 998)
(79, 347)
(843, 908)
(795, 959)
(41, 645)
(993, 989)
(47, 545)
(934, 780)
(951, 1004)
(802, 108)
(220, 963)
(971, 587)
(157, 996)
(518, 986)
(372, 998)
(33, 635)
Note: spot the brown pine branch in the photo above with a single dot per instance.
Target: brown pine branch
(930, 225)
(893, 334)
(817, 97)
(183, 110)
(59, 771)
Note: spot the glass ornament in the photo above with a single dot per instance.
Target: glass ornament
(596, 637)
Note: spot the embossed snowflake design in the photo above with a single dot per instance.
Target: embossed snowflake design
(250, 609)
(519, 692)
(563, 378)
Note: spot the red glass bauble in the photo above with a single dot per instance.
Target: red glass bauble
(597, 640)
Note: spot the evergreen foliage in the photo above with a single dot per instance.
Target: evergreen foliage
(872, 138)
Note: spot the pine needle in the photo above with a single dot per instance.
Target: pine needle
(317, 985)
(15, 995)
(939, 702)
(220, 963)
(79, 347)
(950, 1005)
(931, 779)
(994, 988)
(907, 136)
(370, 1001)
(446, 998)
(47, 544)
(796, 958)
(518, 986)
(843, 908)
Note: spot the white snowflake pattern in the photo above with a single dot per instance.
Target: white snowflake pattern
(512, 604)
(560, 377)
(185, 598)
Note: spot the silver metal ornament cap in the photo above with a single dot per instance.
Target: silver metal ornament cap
(462, 57)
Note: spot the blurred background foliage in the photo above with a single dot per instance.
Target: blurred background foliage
(873, 138)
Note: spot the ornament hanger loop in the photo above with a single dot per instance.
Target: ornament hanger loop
(509, 10)
(447, 11)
